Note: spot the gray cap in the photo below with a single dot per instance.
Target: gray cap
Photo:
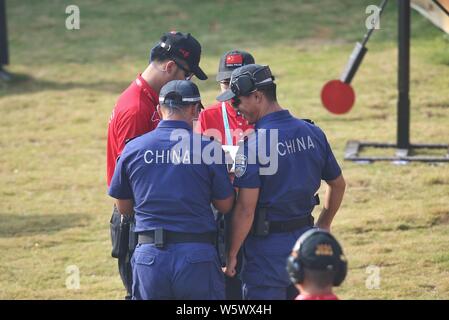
(253, 76)
(179, 93)
(232, 60)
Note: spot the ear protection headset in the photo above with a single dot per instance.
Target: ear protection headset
(296, 263)
(246, 83)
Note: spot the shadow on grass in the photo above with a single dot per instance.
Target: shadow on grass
(27, 225)
(24, 83)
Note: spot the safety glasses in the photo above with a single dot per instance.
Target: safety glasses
(187, 73)
(235, 102)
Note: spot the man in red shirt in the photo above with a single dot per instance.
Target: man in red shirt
(317, 264)
(221, 120)
(175, 57)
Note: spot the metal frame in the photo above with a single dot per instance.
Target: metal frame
(404, 149)
(353, 149)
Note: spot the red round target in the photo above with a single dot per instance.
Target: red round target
(337, 97)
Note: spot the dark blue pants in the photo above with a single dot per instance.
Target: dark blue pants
(264, 272)
(184, 271)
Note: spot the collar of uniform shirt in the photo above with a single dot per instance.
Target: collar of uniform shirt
(174, 124)
(149, 92)
(274, 116)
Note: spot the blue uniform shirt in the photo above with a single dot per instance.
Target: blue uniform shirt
(304, 159)
(169, 190)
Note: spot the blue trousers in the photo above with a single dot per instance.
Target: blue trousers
(264, 272)
(184, 271)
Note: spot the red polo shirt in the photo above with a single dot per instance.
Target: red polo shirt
(212, 118)
(317, 297)
(134, 114)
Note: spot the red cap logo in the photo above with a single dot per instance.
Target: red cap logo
(234, 60)
(184, 53)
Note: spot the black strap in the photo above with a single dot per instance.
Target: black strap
(291, 225)
(177, 237)
(309, 121)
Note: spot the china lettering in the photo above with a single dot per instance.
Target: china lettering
(190, 151)
(167, 157)
(295, 145)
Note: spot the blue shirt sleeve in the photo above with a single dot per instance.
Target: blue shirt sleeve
(247, 166)
(331, 169)
(221, 184)
(120, 187)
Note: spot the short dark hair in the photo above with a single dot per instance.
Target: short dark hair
(320, 278)
(175, 107)
(269, 91)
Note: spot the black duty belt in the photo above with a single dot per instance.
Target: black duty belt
(161, 237)
(290, 225)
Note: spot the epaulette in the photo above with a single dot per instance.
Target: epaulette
(309, 121)
(128, 140)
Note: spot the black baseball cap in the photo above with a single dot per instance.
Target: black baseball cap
(260, 75)
(232, 60)
(185, 47)
(179, 93)
(319, 250)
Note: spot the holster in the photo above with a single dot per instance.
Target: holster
(132, 240)
(123, 237)
(221, 238)
(260, 227)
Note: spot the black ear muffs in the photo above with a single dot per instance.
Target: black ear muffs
(246, 82)
(243, 85)
(342, 270)
(295, 266)
(295, 270)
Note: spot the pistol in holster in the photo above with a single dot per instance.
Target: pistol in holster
(261, 226)
(123, 237)
(221, 238)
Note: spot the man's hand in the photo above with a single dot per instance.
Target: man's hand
(231, 263)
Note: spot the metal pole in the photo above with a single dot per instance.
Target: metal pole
(403, 133)
(3, 35)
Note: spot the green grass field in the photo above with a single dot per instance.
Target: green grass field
(54, 209)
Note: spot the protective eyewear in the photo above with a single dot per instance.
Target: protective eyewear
(187, 73)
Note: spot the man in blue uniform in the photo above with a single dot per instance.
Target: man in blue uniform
(165, 178)
(278, 172)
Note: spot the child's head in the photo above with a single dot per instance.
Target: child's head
(317, 260)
